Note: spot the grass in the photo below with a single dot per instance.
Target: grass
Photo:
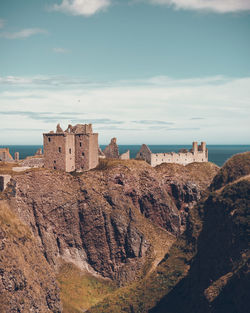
(105, 164)
(79, 290)
(6, 168)
(10, 224)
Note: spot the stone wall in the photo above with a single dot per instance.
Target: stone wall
(4, 179)
(184, 157)
(179, 158)
(5, 155)
(144, 154)
(32, 162)
(112, 150)
(54, 145)
(82, 151)
(70, 164)
(93, 151)
(125, 156)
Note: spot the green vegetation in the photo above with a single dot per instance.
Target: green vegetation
(79, 290)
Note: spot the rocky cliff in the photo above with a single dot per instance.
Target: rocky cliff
(207, 268)
(218, 280)
(27, 282)
(117, 221)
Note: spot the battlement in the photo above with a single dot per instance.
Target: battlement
(184, 157)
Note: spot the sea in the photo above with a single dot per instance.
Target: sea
(217, 154)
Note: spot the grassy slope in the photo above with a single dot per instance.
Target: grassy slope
(79, 290)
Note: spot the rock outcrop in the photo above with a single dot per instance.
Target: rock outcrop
(218, 280)
(27, 282)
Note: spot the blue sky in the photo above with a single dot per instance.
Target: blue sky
(145, 71)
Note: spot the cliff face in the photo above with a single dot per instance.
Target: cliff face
(218, 280)
(115, 222)
(99, 220)
(27, 283)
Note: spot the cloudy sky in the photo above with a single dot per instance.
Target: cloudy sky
(145, 71)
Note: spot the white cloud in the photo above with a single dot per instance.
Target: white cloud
(24, 33)
(60, 50)
(82, 7)
(155, 110)
(219, 6)
(2, 22)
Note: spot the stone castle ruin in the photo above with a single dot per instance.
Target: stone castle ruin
(5, 155)
(76, 148)
(184, 157)
(112, 151)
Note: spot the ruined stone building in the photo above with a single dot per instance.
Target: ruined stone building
(196, 154)
(112, 151)
(76, 148)
(5, 155)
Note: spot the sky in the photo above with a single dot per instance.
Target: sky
(144, 71)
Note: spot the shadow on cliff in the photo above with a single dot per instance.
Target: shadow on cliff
(218, 280)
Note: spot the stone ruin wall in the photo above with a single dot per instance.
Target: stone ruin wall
(4, 179)
(86, 151)
(82, 151)
(5, 155)
(179, 158)
(93, 151)
(112, 151)
(144, 154)
(52, 157)
(70, 164)
(184, 157)
(125, 156)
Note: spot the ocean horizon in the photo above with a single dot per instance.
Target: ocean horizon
(217, 154)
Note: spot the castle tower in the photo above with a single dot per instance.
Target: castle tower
(16, 156)
(195, 147)
(73, 149)
(203, 146)
(86, 147)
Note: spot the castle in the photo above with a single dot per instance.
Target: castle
(76, 148)
(184, 157)
(5, 155)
